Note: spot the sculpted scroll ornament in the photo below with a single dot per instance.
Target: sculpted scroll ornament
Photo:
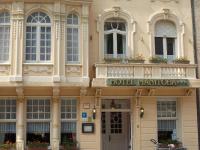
(38, 70)
(73, 69)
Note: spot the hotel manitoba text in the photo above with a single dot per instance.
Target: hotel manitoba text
(97, 75)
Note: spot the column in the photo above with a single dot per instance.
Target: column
(17, 42)
(55, 119)
(20, 119)
(85, 38)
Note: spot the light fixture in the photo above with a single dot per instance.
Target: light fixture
(141, 112)
(94, 113)
(112, 104)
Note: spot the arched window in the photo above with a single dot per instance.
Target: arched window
(72, 39)
(38, 38)
(115, 37)
(165, 39)
(4, 36)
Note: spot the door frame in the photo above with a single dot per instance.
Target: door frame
(130, 111)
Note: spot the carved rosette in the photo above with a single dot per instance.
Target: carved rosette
(4, 70)
(37, 70)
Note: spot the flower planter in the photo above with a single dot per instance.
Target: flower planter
(136, 61)
(37, 148)
(113, 60)
(181, 62)
(157, 59)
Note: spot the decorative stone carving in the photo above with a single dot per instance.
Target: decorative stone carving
(4, 70)
(38, 70)
(138, 92)
(151, 92)
(73, 70)
(20, 94)
(83, 91)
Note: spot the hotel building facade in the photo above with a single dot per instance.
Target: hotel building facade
(86, 71)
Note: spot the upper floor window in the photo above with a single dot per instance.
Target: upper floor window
(72, 39)
(38, 38)
(115, 38)
(165, 39)
(4, 36)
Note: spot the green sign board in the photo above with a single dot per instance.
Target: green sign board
(148, 82)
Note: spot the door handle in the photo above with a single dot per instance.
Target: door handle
(109, 138)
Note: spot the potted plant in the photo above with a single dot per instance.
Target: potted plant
(181, 60)
(69, 144)
(173, 144)
(8, 146)
(137, 59)
(37, 145)
(158, 59)
(112, 60)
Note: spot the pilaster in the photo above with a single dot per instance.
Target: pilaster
(98, 117)
(57, 42)
(55, 119)
(20, 119)
(17, 41)
(85, 38)
(137, 138)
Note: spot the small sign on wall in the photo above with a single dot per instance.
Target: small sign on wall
(86, 106)
(84, 116)
(87, 127)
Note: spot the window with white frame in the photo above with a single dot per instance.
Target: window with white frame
(68, 119)
(7, 120)
(115, 38)
(165, 39)
(167, 119)
(4, 36)
(38, 38)
(38, 120)
(72, 39)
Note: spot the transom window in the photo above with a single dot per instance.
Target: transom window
(167, 116)
(38, 38)
(165, 39)
(38, 109)
(7, 109)
(72, 39)
(4, 36)
(68, 119)
(115, 38)
(38, 120)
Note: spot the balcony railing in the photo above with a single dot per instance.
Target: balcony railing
(150, 71)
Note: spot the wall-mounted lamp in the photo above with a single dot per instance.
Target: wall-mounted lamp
(94, 113)
(141, 112)
(112, 104)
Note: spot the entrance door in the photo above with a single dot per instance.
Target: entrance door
(115, 133)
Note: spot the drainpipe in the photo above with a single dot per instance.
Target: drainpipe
(196, 62)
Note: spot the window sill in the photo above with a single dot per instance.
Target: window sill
(78, 64)
(3, 64)
(38, 64)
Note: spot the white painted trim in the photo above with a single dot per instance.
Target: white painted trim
(166, 14)
(131, 29)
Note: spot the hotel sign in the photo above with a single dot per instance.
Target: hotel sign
(148, 82)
